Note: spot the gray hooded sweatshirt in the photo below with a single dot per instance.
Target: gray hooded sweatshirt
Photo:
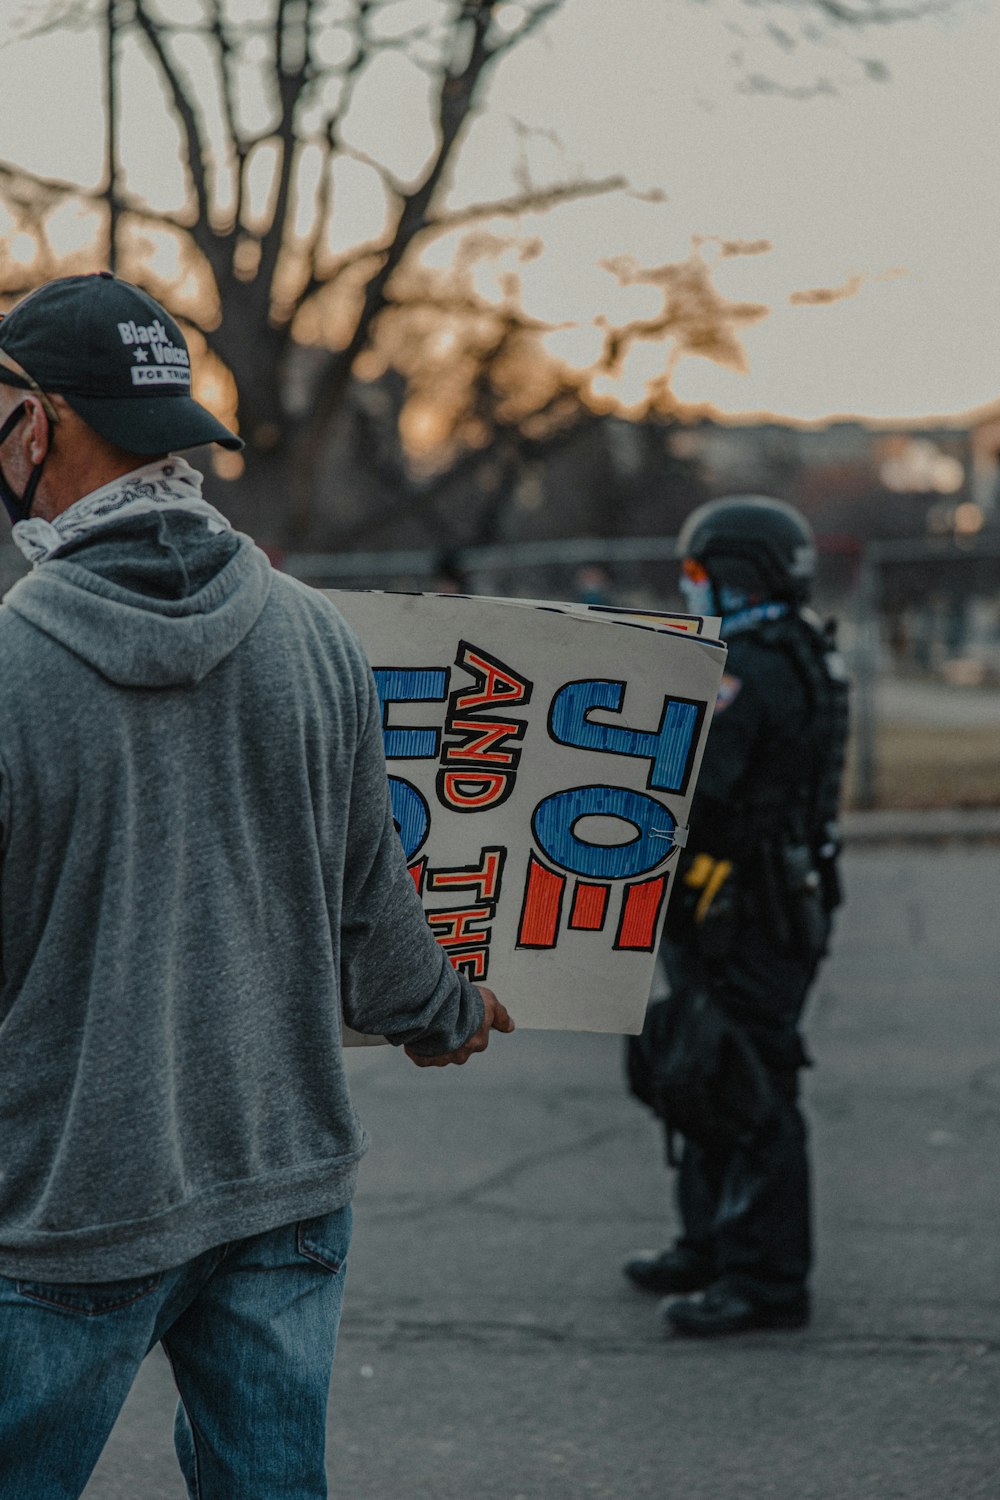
(200, 875)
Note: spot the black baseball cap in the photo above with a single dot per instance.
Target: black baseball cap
(116, 356)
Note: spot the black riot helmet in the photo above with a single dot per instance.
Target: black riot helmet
(753, 544)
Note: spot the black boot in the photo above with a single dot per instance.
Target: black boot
(723, 1308)
(666, 1271)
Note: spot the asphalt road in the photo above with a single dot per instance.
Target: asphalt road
(491, 1350)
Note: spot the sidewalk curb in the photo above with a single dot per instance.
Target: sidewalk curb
(920, 825)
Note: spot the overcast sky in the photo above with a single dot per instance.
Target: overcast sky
(888, 189)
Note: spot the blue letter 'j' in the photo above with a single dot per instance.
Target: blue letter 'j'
(668, 748)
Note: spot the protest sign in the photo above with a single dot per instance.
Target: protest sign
(542, 759)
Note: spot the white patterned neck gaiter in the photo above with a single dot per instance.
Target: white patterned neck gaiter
(167, 484)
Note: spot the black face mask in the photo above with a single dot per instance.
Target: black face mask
(17, 506)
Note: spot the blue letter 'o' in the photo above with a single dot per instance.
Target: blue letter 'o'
(555, 821)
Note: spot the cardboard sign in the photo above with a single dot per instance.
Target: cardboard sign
(542, 759)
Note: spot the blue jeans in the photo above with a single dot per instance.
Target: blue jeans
(250, 1330)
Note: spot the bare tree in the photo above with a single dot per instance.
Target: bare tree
(261, 93)
(262, 196)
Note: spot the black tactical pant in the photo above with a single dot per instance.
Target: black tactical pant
(746, 1211)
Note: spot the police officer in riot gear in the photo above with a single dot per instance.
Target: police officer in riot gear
(750, 914)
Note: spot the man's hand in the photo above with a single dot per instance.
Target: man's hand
(495, 1018)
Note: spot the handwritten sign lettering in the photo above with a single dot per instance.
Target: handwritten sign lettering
(541, 765)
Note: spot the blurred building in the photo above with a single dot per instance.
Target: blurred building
(859, 479)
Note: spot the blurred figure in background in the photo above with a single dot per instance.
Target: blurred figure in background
(592, 585)
(748, 923)
(449, 577)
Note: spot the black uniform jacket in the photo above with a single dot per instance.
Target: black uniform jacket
(754, 777)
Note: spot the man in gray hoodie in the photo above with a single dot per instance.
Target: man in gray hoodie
(200, 877)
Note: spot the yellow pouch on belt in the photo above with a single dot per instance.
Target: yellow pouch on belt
(707, 875)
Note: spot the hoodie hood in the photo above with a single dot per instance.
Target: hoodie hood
(157, 603)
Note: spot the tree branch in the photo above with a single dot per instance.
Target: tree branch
(293, 76)
(514, 322)
(46, 187)
(878, 14)
(529, 24)
(389, 179)
(333, 143)
(68, 17)
(188, 117)
(213, 245)
(536, 201)
(241, 147)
